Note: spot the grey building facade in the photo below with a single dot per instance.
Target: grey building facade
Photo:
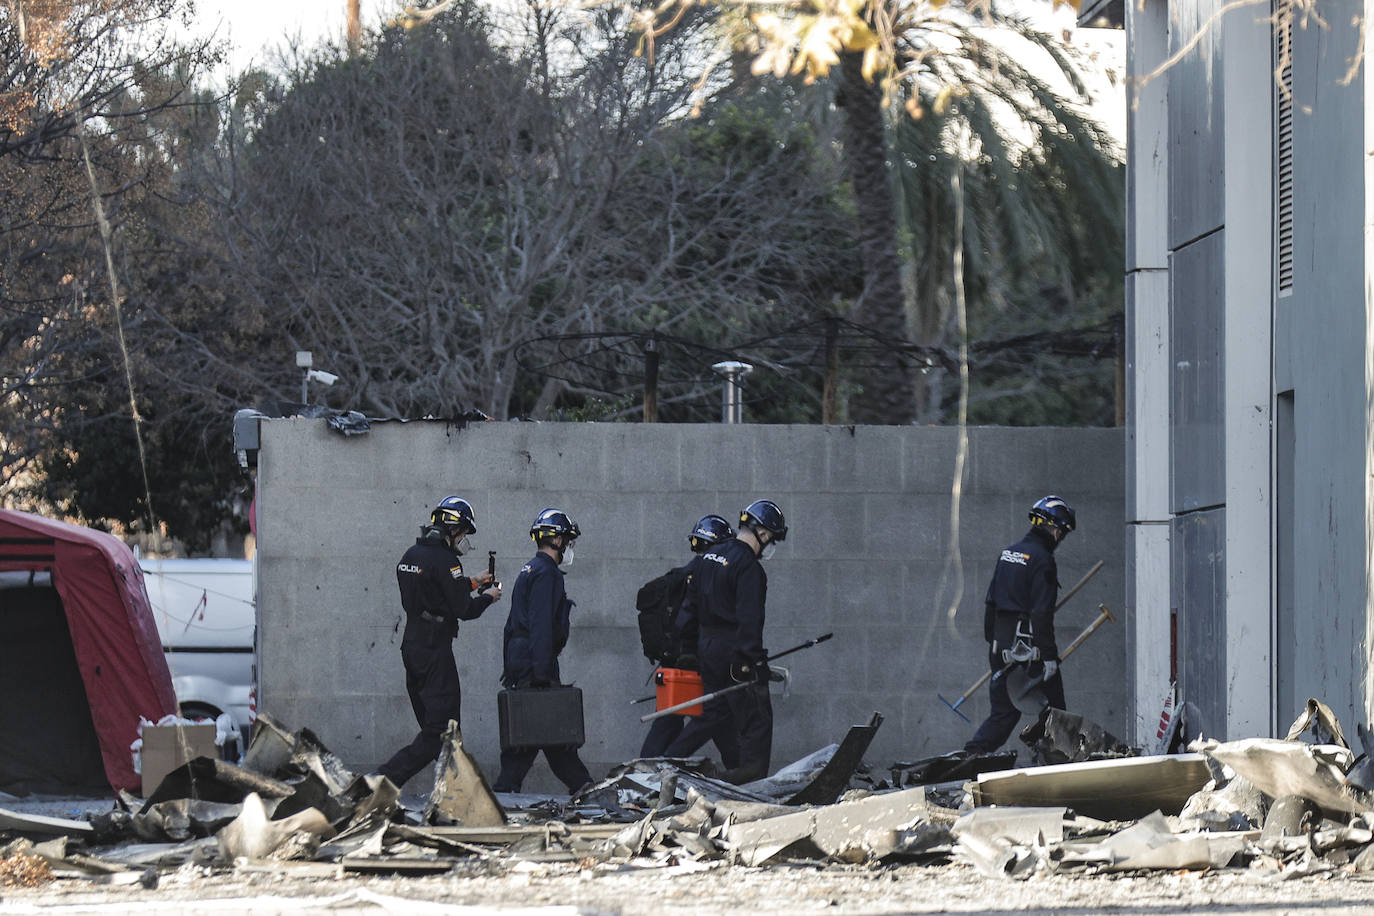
(1249, 361)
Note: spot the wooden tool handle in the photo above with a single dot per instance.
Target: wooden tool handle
(1081, 582)
(976, 684)
(1102, 618)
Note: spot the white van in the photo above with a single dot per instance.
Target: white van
(204, 612)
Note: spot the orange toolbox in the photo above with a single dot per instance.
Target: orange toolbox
(677, 685)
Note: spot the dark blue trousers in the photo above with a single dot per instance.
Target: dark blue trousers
(665, 732)
(1001, 721)
(742, 719)
(662, 732)
(564, 761)
(435, 696)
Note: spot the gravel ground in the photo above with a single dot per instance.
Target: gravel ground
(570, 889)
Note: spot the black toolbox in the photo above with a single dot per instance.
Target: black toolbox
(540, 717)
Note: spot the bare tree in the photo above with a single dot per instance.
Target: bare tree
(72, 70)
(414, 218)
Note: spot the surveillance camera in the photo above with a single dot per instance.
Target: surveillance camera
(324, 378)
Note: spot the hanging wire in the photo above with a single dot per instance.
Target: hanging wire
(955, 558)
(612, 362)
(106, 240)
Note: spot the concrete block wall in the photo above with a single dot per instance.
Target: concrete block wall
(870, 557)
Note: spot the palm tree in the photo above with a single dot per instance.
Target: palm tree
(1042, 184)
(887, 393)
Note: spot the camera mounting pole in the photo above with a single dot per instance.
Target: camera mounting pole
(304, 360)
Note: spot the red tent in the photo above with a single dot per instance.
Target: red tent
(80, 656)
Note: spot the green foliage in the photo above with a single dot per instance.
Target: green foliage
(98, 477)
(1043, 243)
(595, 409)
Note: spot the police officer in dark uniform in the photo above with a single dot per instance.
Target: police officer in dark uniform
(1018, 620)
(536, 632)
(436, 594)
(729, 593)
(681, 632)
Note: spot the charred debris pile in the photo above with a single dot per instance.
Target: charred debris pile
(1297, 806)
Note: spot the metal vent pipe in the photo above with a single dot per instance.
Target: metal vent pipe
(732, 406)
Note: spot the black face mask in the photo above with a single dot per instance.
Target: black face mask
(1054, 535)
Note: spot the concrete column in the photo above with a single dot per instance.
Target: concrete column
(1147, 646)
(1367, 83)
(1247, 80)
(1147, 344)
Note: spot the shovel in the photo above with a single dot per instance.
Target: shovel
(954, 707)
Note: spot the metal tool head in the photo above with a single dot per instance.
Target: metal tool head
(1027, 693)
(954, 708)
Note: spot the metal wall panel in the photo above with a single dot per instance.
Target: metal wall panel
(1147, 396)
(1285, 612)
(1198, 542)
(1196, 124)
(1147, 136)
(1248, 343)
(1148, 601)
(1197, 399)
(1323, 349)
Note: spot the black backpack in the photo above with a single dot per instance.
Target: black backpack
(658, 602)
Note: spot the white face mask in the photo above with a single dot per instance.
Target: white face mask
(462, 545)
(567, 557)
(768, 550)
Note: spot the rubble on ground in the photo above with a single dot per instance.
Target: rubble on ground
(1295, 806)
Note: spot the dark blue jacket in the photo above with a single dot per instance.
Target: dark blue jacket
(432, 582)
(537, 628)
(683, 619)
(728, 592)
(1025, 583)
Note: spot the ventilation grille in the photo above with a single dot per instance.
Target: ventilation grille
(1283, 145)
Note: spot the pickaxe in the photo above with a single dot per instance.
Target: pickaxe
(954, 707)
(1103, 616)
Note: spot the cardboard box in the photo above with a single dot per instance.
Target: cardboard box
(166, 747)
